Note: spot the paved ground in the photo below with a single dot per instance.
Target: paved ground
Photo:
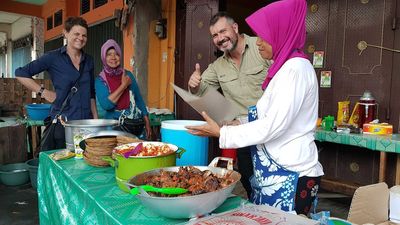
(19, 206)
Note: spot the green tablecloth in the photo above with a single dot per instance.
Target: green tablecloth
(383, 143)
(72, 192)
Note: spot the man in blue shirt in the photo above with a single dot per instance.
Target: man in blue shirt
(64, 65)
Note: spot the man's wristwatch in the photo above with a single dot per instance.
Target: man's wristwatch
(40, 92)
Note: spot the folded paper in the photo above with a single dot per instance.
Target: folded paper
(212, 102)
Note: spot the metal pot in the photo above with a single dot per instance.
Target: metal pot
(125, 168)
(76, 130)
(187, 206)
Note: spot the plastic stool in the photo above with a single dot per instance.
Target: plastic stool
(230, 153)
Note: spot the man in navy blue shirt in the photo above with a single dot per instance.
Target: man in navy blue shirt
(64, 65)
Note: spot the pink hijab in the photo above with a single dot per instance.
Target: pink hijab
(282, 25)
(112, 76)
(110, 43)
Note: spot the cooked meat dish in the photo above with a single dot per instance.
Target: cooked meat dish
(189, 177)
(146, 150)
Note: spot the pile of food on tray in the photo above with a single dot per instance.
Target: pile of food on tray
(147, 149)
(189, 177)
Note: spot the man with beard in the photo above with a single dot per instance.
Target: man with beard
(239, 72)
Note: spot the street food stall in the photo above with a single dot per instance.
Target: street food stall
(73, 192)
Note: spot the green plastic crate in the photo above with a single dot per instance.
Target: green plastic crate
(155, 120)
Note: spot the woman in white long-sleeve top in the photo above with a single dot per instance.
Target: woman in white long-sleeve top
(287, 173)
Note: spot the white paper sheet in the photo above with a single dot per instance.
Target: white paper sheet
(212, 102)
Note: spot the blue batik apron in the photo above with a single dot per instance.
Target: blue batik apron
(272, 184)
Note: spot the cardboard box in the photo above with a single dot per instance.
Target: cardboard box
(370, 205)
(377, 128)
(254, 214)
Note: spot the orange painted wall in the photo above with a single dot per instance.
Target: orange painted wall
(71, 8)
(161, 61)
(169, 11)
(154, 95)
(20, 8)
(103, 12)
(129, 43)
(49, 9)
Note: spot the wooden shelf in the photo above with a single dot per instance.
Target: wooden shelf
(343, 187)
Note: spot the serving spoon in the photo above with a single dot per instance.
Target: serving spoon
(135, 151)
(165, 190)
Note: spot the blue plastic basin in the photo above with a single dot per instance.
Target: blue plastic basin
(337, 221)
(14, 174)
(37, 111)
(33, 165)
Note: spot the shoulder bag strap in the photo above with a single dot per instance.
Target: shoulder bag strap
(72, 91)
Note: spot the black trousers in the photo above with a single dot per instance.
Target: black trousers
(53, 136)
(306, 192)
(245, 167)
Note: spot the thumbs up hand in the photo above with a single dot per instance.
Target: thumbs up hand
(195, 79)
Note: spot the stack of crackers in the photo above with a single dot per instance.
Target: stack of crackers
(122, 140)
(98, 147)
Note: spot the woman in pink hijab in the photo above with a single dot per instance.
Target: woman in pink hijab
(281, 126)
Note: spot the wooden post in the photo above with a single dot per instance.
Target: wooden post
(397, 178)
(34, 139)
(382, 167)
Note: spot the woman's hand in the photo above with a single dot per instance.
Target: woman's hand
(125, 80)
(210, 129)
(149, 135)
(116, 94)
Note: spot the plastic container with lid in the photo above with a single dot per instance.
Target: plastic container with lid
(174, 132)
(368, 109)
